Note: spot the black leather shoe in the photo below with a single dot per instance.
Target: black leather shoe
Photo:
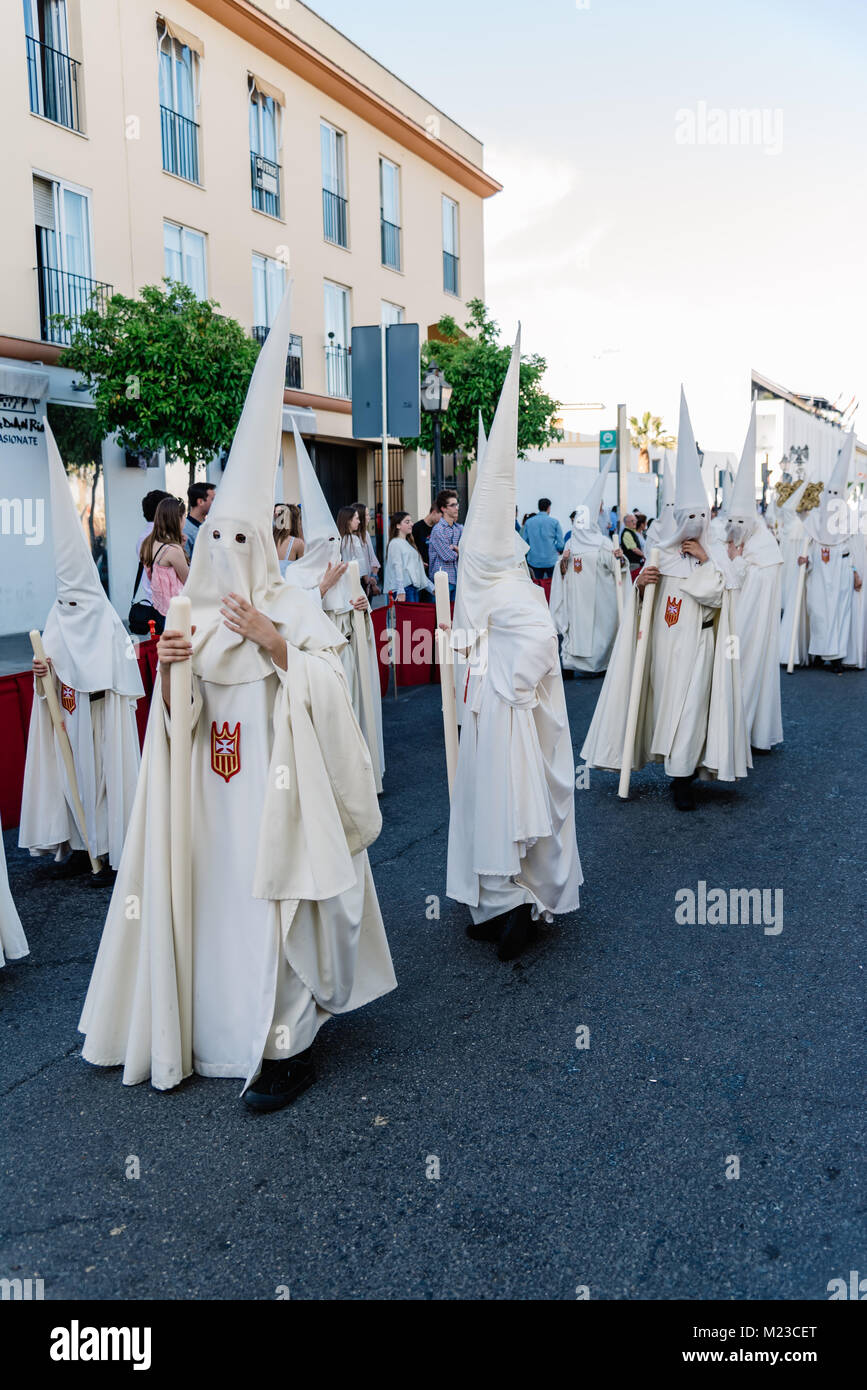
(683, 793)
(519, 932)
(279, 1082)
(105, 878)
(78, 862)
(491, 930)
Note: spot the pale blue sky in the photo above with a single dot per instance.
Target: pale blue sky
(635, 261)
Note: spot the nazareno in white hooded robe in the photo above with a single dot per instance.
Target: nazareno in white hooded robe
(584, 599)
(512, 826)
(790, 537)
(691, 714)
(98, 684)
(857, 651)
(759, 573)
(13, 942)
(321, 548)
(286, 925)
(831, 564)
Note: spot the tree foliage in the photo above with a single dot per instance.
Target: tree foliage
(475, 365)
(79, 436)
(166, 370)
(646, 434)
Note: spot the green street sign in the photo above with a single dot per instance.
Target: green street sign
(607, 439)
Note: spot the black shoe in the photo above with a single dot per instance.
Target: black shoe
(683, 793)
(519, 932)
(491, 930)
(78, 862)
(279, 1082)
(836, 666)
(104, 878)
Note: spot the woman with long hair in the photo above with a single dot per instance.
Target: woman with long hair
(368, 563)
(163, 556)
(288, 536)
(404, 571)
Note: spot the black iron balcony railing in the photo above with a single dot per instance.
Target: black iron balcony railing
(338, 372)
(294, 357)
(265, 184)
(334, 217)
(53, 80)
(180, 138)
(62, 292)
(390, 244)
(450, 273)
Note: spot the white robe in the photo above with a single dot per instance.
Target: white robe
(830, 592)
(13, 943)
(584, 606)
(286, 925)
(691, 712)
(105, 750)
(790, 535)
(512, 826)
(350, 657)
(757, 608)
(856, 654)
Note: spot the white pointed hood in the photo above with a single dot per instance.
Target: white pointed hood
(663, 525)
(585, 527)
(491, 573)
(691, 509)
(727, 485)
(86, 640)
(828, 524)
(321, 536)
(744, 525)
(482, 442)
(235, 549)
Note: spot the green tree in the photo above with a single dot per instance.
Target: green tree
(166, 370)
(475, 365)
(79, 436)
(646, 434)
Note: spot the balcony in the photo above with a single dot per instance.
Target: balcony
(294, 357)
(62, 292)
(390, 237)
(180, 137)
(450, 273)
(338, 372)
(265, 184)
(53, 80)
(334, 218)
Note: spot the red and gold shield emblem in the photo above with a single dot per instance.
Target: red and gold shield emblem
(67, 698)
(826, 554)
(225, 751)
(577, 564)
(672, 610)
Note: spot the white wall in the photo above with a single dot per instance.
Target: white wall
(26, 568)
(568, 486)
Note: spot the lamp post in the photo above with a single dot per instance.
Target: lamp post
(436, 393)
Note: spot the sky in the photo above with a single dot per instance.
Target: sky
(639, 243)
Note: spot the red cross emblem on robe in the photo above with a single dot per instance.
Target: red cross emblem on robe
(826, 554)
(225, 751)
(672, 610)
(67, 698)
(577, 564)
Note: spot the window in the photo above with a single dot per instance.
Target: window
(391, 313)
(265, 141)
(334, 205)
(337, 368)
(451, 252)
(179, 74)
(389, 204)
(185, 257)
(64, 255)
(269, 283)
(52, 75)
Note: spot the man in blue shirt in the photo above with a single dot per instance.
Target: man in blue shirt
(544, 535)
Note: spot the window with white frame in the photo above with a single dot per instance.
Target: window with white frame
(269, 284)
(64, 254)
(52, 75)
(334, 202)
(337, 320)
(179, 102)
(391, 313)
(389, 204)
(266, 133)
(185, 257)
(451, 247)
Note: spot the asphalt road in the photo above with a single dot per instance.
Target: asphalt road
(603, 1166)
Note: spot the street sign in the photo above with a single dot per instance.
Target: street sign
(607, 440)
(367, 382)
(402, 381)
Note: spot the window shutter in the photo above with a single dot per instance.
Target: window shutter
(43, 202)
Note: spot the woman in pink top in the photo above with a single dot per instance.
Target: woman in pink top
(162, 554)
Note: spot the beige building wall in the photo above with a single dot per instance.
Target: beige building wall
(118, 161)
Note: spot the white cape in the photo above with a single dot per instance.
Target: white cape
(13, 943)
(584, 606)
(757, 609)
(830, 594)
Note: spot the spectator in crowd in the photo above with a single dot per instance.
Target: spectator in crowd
(527, 516)
(421, 533)
(517, 522)
(641, 530)
(544, 535)
(613, 521)
(287, 534)
(149, 504)
(631, 544)
(404, 572)
(368, 563)
(163, 554)
(199, 499)
(445, 539)
(568, 536)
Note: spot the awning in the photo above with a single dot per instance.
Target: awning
(258, 84)
(303, 417)
(23, 384)
(183, 36)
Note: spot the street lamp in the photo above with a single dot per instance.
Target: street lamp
(436, 394)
